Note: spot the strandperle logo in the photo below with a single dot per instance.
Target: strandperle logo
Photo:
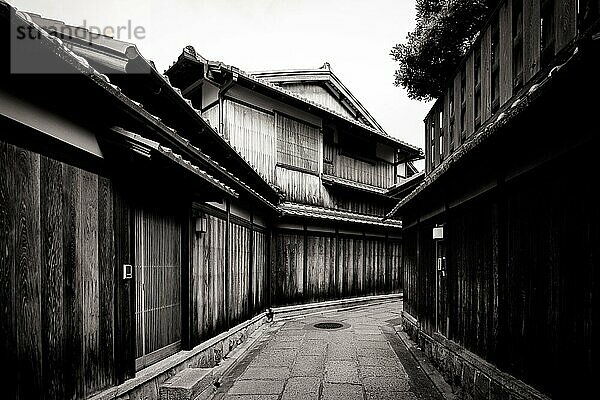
(129, 31)
(103, 46)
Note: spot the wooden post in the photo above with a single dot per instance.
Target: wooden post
(125, 293)
(227, 289)
(269, 271)
(305, 263)
(338, 270)
(250, 271)
(186, 278)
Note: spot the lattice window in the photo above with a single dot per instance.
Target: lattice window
(297, 144)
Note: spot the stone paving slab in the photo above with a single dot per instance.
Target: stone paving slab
(257, 387)
(341, 391)
(309, 366)
(305, 388)
(296, 361)
(268, 373)
(341, 372)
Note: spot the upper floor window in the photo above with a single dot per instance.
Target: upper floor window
(401, 171)
(517, 31)
(547, 31)
(495, 64)
(297, 144)
(328, 145)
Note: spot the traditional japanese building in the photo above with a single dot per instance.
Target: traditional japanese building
(335, 167)
(500, 238)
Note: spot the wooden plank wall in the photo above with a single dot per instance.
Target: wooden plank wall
(259, 271)
(363, 205)
(379, 173)
(56, 261)
(208, 274)
(212, 114)
(239, 284)
(319, 95)
(322, 266)
(288, 271)
(252, 133)
(302, 187)
(520, 278)
(221, 299)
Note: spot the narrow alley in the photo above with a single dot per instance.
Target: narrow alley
(361, 359)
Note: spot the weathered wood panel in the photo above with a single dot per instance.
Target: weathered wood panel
(56, 261)
(470, 94)
(506, 73)
(239, 261)
(259, 271)
(486, 71)
(379, 173)
(252, 133)
(363, 205)
(566, 23)
(319, 95)
(321, 281)
(8, 207)
(457, 106)
(531, 38)
(28, 272)
(288, 276)
(335, 266)
(302, 187)
(212, 115)
(51, 173)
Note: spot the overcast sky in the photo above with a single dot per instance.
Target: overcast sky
(354, 36)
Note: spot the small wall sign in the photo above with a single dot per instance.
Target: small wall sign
(127, 271)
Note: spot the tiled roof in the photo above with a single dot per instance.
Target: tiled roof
(302, 210)
(178, 159)
(491, 128)
(347, 183)
(408, 181)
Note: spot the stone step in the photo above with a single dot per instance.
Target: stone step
(189, 384)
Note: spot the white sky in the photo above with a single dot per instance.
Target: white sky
(354, 36)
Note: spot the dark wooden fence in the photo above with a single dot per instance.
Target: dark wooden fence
(56, 270)
(520, 265)
(229, 273)
(316, 266)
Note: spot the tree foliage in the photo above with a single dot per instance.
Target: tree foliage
(444, 30)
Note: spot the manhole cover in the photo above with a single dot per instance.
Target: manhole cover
(328, 325)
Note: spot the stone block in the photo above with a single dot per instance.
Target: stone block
(187, 384)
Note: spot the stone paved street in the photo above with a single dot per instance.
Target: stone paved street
(363, 360)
